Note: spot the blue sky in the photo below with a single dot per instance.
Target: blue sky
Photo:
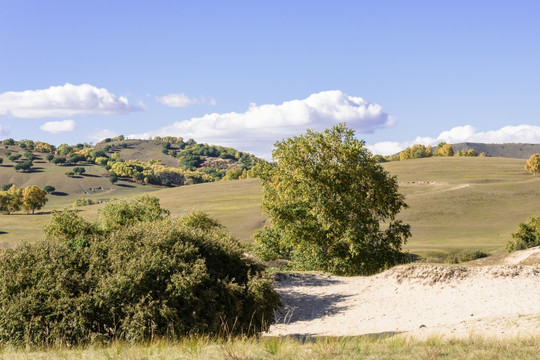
(249, 73)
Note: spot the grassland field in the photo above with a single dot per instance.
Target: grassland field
(455, 203)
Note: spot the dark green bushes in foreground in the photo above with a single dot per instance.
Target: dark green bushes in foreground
(148, 277)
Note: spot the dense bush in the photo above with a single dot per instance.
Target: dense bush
(527, 236)
(156, 277)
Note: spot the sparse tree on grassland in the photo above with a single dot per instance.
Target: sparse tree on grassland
(15, 199)
(444, 149)
(533, 164)
(33, 198)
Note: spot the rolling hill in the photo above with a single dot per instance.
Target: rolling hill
(454, 203)
(510, 150)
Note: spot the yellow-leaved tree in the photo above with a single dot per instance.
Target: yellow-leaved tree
(33, 198)
(533, 164)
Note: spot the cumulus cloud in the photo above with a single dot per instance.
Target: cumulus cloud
(56, 127)
(466, 133)
(182, 100)
(60, 101)
(102, 134)
(257, 128)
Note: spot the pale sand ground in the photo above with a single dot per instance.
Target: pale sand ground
(416, 300)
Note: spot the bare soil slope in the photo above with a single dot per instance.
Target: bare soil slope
(416, 300)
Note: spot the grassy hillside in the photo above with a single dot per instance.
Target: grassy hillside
(142, 150)
(455, 203)
(470, 203)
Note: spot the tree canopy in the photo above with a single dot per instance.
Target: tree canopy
(533, 164)
(33, 198)
(331, 206)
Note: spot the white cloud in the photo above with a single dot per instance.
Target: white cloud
(256, 129)
(56, 127)
(466, 133)
(102, 134)
(4, 130)
(182, 100)
(60, 101)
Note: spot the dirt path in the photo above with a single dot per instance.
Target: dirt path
(416, 300)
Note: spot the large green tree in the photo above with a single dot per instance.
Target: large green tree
(331, 206)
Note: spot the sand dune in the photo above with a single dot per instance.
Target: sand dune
(415, 300)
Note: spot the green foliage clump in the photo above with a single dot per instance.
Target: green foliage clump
(59, 160)
(14, 157)
(527, 236)
(466, 255)
(49, 188)
(24, 165)
(331, 206)
(155, 278)
(83, 202)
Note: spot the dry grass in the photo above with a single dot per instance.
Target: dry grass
(455, 203)
(365, 347)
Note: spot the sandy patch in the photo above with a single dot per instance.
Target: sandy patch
(416, 300)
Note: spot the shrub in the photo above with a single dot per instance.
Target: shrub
(6, 187)
(49, 189)
(83, 202)
(527, 236)
(154, 278)
(113, 178)
(59, 160)
(466, 255)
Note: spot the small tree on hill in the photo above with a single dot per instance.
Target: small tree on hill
(327, 198)
(49, 189)
(79, 170)
(444, 149)
(24, 166)
(113, 178)
(59, 160)
(533, 164)
(14, 157)
(527, 236)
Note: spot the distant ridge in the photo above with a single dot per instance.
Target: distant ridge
(509, 150)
